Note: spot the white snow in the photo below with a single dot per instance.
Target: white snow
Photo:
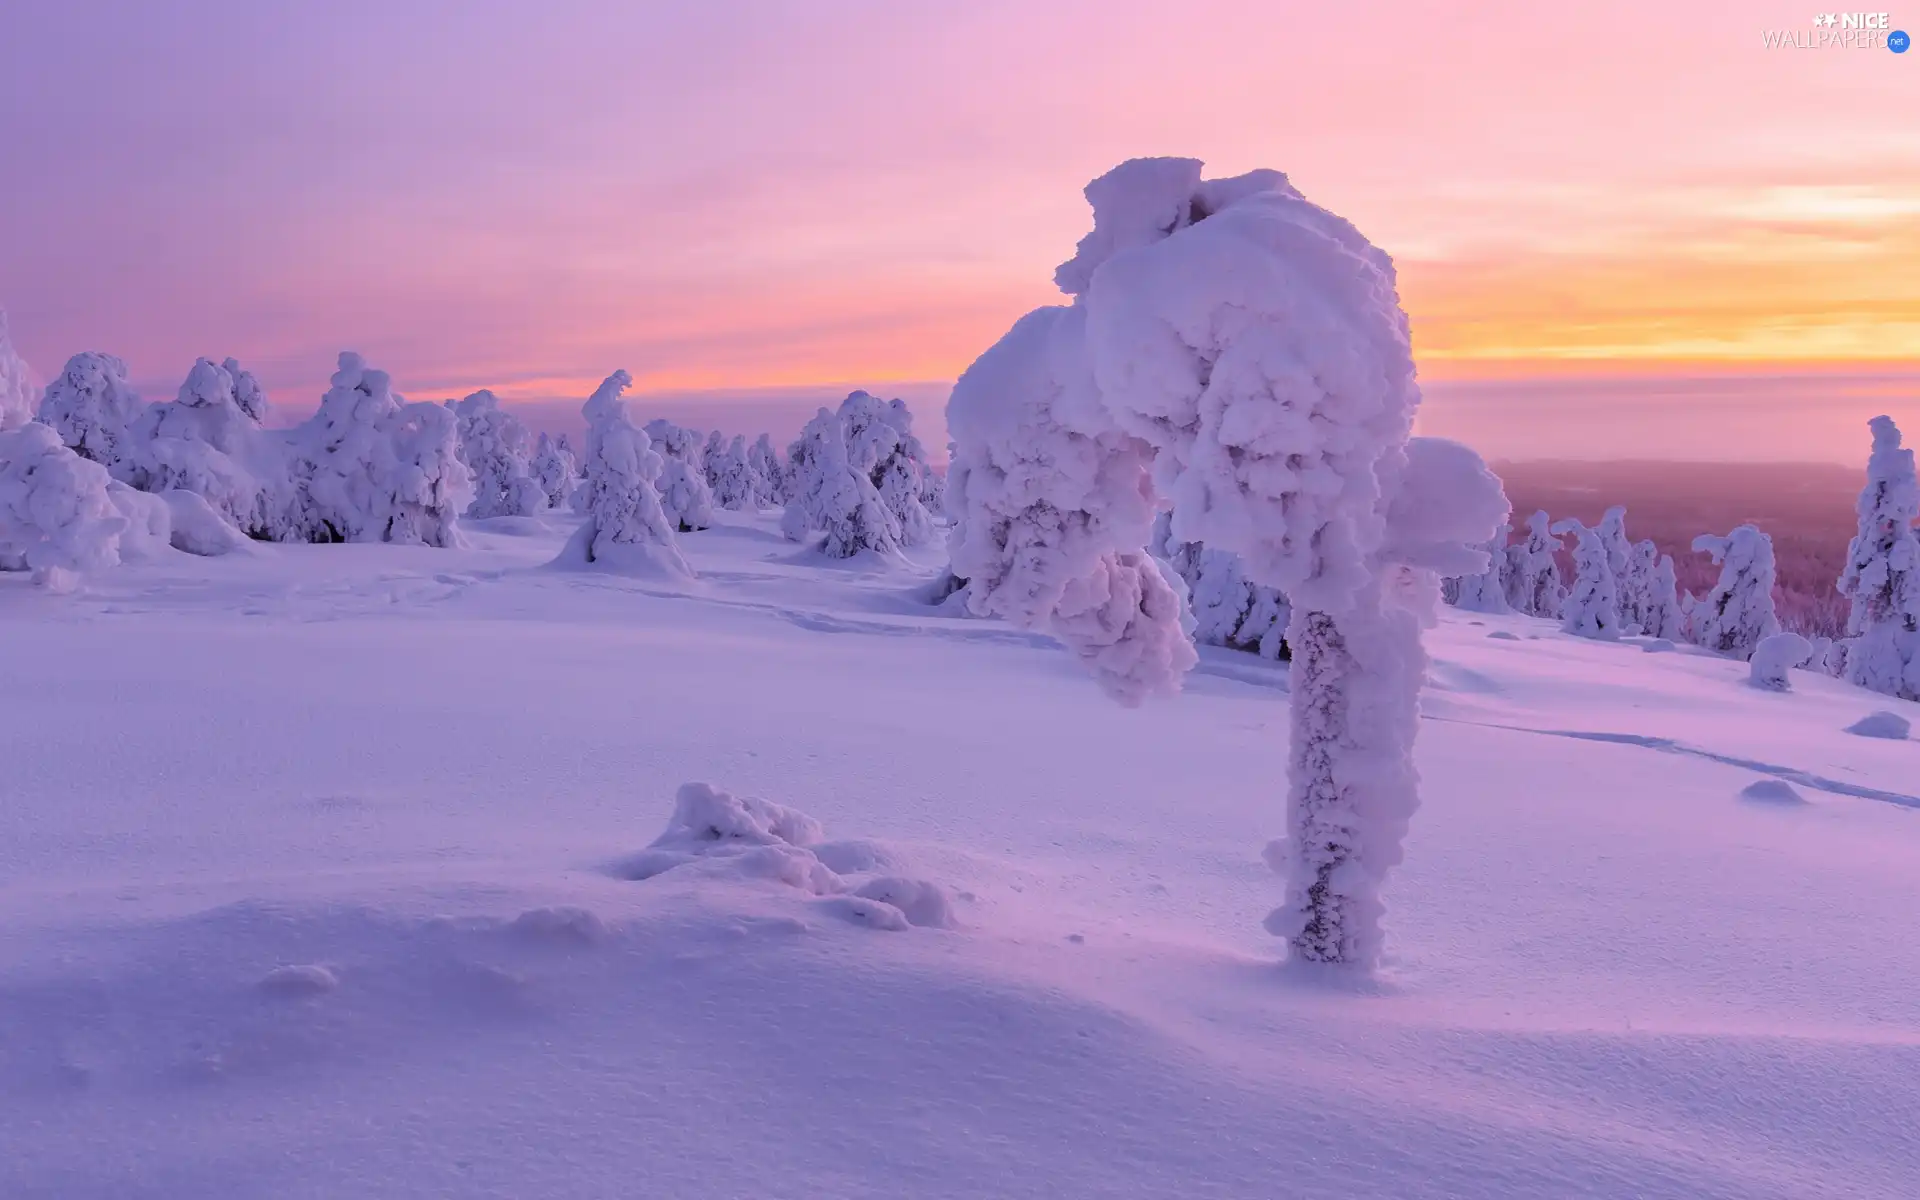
(1882, 724)
(18, 398)
(1776, 656)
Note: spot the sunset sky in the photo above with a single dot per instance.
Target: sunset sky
(1613, 222)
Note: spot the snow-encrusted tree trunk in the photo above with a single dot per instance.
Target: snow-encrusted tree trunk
(554, 469)
(1485, 592)
(497, 448)
(57, 517)
(769, 472)
(90, 406)
(1592, 608)
(17, 399)
(626, 528)
(1242, 353)
(1533, 571)
(1738, 612)
(833, 497)
(1882, 577)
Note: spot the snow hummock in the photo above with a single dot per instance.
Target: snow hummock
(1775, 656)
(1882, 724)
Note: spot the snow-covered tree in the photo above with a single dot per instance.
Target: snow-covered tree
(56, 516)
(554, 468)
(626, 528)
(90, 406)
(769, 473)
(247, 392)
(1228, 608)
(1776, 655)
(731, 474)
(1485, 592)
(1660, 613)
(1738, 612)
(881, 446)
(1242, 354)
(1882, 577)
(683, 476)
(832, 497)
(1612, 532)
(1533, 571)
(498, 449)
(1592, 608)
(427, 486)
(710, 460)
(203, 441)
(17, 400)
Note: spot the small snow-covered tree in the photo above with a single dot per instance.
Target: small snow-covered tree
(1485, 592)
(426, 486)
(832, 497)
(1592, 607)
(497, 448)
(1228, 608)
(1774, 657)
(710, 460)
(1533, 571)
(769, 472)
(731, 474)
(1738, 612)
(1241, 353)
(17, 400)
(683, 477)
(554, 468)
(1882, 577)
(881, 446)
(90, 406)
(56, 515)
(1612, 531)
(626, 528)
(203, 441)
(1660, 612)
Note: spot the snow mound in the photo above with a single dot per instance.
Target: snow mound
(1771, 791)
(1501, 635)
(747, 837)
(560, 924)
(1658, 646)
(298, 981)
(1882, 724)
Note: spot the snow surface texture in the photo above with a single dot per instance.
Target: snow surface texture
(1738, 613)
(1883, 572)
(626, 530)
(1241, 354)
(17, 398)
(240, 960)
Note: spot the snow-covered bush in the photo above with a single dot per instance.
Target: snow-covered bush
(90, 406)
(881, 446)
(831, 496)
(626, 529)
(205, 442)
(1738, 612)
(1533, 571)
(683, 477)
(554, 469)
(1776, 655)
(56, 515)
(1485, 592)
(1242, 353)
(1228, 608)
(497, 448)
(768, 472)
(1592, 608)
(1660, 613)
(1882, 577)
(730, 472)
(17, 400)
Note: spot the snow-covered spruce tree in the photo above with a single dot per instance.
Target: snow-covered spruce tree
(1660, 612)
(831, 496)
(1228, 608)
(1882, 577)
(885, 452)
(1485, 592)
(497, 448)
(626, 529)
(1612, 531)
(932, 493)
(683, 477)
(427, 486)
(1738, 612)
(710, 460)
(769, 471)
(554, 469)
(731, 475)
(1592, 607)
(17, 399)
(90, 406)
(1533, 571)
(1242, 353)
(203, 441)
(247, 392)
(56, 516)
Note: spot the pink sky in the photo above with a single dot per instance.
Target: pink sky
(785, 199)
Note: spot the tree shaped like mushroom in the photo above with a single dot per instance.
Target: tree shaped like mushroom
(1239, 354)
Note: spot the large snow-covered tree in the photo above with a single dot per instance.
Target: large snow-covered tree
(626, 529)
(682, 483)
(1533, 570)
(498, 449)
(206, 442)
(57, 516)
(1240, 353)
(1738, 612)
(90, 406)
(1592, 607)
(17, 399)
(831, 496)
(1882, 576)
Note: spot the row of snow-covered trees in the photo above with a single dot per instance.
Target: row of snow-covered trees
(1620, 587)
